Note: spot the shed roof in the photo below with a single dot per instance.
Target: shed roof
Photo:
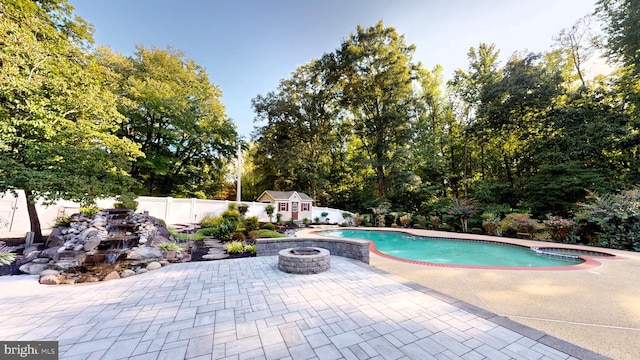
(285, 195)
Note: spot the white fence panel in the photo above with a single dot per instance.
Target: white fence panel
(171, 210)
(334, 215)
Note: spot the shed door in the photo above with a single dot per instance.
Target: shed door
(294, 210)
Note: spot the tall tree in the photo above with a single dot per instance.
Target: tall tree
(580, 43)
(57, 117)
(176, 114)
(299, 140)
(622, 33)
(375, 70)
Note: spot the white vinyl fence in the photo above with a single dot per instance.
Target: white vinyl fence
(14, 217)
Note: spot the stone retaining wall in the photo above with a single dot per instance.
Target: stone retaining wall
(349, 248)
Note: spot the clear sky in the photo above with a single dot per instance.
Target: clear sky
(248, 46)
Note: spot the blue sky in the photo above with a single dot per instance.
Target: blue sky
(247, 46)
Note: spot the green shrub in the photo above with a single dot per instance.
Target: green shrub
(251, 249)
(222, 227)
(515, 223)
(235, 247)
(232, 216)
(269, 226)
(7, 257)
(62, 221)
(269, 209)
(89, 211)
(612, 220)
(127, 201)
(305, 221)
(344, 224)
(210, 231)
(560, 230)
(207, 222)
(265, 233)
(251, 223)
(243, 209)
(490, 222)
(278, 218)
(169, 246)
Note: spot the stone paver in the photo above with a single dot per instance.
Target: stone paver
(248, 309)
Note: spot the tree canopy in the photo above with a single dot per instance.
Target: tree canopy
(535, 133)
(174, 112)
(57, 117)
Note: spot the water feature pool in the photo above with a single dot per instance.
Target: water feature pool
(447, 251)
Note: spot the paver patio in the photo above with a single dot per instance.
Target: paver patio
(248, 309)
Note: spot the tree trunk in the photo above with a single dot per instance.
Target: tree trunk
(380, 182)
(33, 217)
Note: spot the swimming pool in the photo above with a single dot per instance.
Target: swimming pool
(465, 253)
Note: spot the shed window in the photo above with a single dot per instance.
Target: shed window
(305, 206)
(284, 206)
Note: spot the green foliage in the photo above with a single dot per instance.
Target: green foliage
(490, 222)
(58, 120)
(235, 247)
(171, 108)
(7, 256)
(266, 233)
(251, 223)
(207, 231)
(243, 209)
(221, 226)
(207, 222)
(232, 216)
(516, 223)
(278, 218)
(616, 218)
(90, 211)
(62, 221)
(560, 230)
(170, 246)
(305, 221)
(269, 226)
(127, 201)
(269, 209)
(461, 210)
(251, 249)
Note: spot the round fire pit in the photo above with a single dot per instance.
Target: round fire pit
(309, 260)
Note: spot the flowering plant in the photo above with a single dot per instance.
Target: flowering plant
(559, 228)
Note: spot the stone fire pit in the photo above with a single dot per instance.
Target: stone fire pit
(309, 260)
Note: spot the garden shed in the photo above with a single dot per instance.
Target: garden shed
(291, 204)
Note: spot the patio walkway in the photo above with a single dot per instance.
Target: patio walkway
(247, 309)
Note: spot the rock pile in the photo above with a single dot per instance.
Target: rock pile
(105, 242)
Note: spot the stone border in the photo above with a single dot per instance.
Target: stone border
(350, 248)
(303, 264)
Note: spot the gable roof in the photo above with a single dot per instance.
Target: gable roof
(285, 195)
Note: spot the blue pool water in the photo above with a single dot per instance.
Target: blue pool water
(452, 251)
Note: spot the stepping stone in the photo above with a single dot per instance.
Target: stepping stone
(215, 256)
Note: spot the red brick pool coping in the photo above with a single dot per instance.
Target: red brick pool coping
(590, 261)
